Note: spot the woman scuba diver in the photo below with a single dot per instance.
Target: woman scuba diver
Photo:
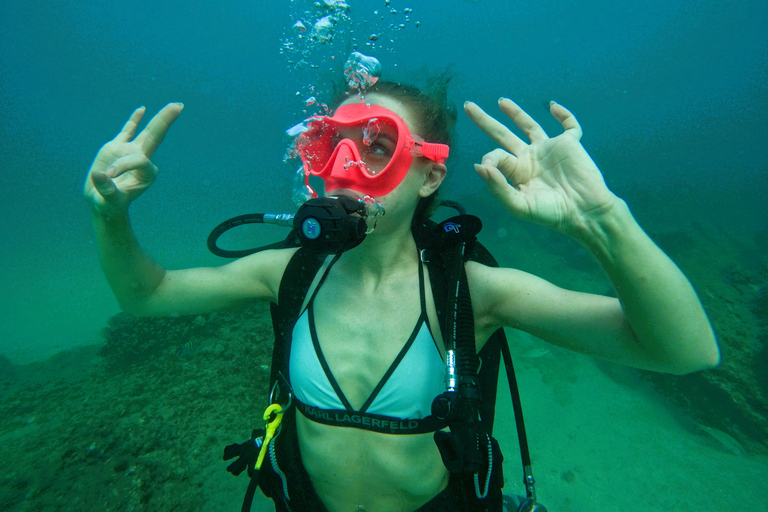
(367, 357)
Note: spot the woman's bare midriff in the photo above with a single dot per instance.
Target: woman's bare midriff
(353, 469)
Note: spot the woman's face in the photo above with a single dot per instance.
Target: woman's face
(407, 194)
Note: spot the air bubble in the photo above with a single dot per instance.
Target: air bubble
(297, 129)
(371, 131)
(361, 71)
(301, 191)
(323, 29)
(372, 210)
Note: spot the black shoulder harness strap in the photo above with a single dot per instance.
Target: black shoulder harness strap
(298, 277)
(295, 283)
(489, 355)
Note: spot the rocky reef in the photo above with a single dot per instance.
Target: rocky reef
(138, 422)
(730, 272)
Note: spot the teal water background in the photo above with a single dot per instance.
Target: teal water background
(671, 96)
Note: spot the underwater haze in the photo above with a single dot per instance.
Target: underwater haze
(672, 98)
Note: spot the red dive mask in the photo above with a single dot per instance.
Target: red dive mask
(366, 148)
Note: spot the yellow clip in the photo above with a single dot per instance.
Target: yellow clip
(272, 425)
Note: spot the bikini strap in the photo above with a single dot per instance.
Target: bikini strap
(322, 279)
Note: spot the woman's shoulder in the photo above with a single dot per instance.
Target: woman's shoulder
(264, 268)
(501, 296)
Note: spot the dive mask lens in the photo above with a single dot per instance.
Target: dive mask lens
(375, 153)
(374, 138)
(375, 143)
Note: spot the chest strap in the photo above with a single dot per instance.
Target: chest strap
(371, 422)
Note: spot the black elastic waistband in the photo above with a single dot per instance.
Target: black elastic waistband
(371, 422)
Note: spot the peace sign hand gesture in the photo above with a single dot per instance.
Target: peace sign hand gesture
(122, 169)
(552, 182)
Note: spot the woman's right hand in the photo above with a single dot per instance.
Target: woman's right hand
(122, 169)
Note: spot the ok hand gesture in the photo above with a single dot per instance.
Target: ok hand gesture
(552, 182)
(122, 169)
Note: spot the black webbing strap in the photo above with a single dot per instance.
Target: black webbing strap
(296, 280)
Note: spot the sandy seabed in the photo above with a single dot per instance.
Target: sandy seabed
(81, 432)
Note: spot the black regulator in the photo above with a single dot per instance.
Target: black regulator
(326, 224)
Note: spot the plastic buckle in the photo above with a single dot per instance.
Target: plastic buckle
(274, 416)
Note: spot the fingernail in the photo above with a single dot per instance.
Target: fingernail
(551, 103)
(466, 103)
(481, 170)
(180, 104)
(501, 99)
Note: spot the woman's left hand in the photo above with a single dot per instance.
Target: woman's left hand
(552, 182)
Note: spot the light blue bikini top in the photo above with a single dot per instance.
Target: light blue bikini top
(399, 404)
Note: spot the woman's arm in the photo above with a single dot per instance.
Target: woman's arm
(657, 322)
(120, 173)
(144, 288)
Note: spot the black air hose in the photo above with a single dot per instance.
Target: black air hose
(466, 347)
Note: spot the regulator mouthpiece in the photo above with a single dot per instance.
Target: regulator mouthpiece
(336, 224)
(327, 224)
